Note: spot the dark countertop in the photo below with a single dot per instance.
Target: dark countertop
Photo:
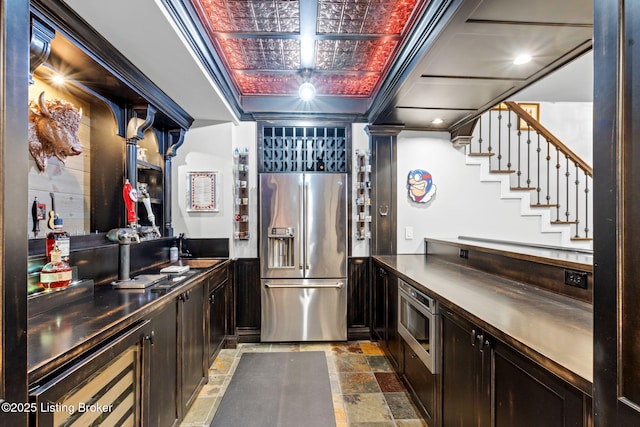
(57, 336)
(553, 330)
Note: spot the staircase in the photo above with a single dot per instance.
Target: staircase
(531, 164)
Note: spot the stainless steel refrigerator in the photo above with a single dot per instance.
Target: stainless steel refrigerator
(303, 256)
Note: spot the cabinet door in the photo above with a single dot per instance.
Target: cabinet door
(379, 305)
(192, 346)
(359, 299)
(246, 278)
(163, 380)
(466, 370)
(217, 319)
(393, 337)
(526, 395)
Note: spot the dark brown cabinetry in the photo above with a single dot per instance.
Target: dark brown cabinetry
(385, 313)
(163, 386)
(422, 384)
(359, 299)
(246, 276)
(466, 373)
(217, 312)
(191, 339)
(487, 383)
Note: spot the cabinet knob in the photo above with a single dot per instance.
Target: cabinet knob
(486, 343)
(480, 338)
(473, 338)
(212, 298)
(150, 337)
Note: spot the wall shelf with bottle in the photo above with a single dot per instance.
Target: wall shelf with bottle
(241, 193)
(363, 195)
(150, 185)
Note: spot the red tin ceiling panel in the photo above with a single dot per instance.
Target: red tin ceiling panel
(260, 42)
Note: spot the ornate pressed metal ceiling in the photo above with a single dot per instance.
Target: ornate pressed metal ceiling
(346, 44)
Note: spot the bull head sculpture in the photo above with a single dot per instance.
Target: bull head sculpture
(53, 130)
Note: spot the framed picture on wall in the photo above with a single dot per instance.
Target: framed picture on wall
(201, 192)
(533, 109)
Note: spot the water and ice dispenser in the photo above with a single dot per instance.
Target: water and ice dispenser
(281, 247)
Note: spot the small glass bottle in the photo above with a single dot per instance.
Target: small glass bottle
(58, 237)
(56, 274)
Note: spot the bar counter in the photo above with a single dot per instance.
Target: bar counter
(57, 336)
(553, 330)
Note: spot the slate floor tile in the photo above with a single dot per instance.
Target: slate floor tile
(366, 392)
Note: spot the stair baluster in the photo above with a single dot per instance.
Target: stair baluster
(576, 206)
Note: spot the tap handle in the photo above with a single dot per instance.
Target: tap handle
(130, 196)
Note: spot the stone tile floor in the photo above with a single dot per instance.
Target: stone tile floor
(366, 391)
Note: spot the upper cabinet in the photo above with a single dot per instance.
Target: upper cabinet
(128, 129)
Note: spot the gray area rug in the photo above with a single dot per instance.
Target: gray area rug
(278, 389)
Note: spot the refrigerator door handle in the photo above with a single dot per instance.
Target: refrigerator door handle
(302, 239)
(337, 285)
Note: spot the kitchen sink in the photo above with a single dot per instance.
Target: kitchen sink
(199, 262)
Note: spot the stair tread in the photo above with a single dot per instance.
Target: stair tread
(564, 222)
(481, 154)
(581, 239)
(552, 205)
(502, 171)
(523, 188)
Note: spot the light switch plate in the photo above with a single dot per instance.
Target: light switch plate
(408, 233)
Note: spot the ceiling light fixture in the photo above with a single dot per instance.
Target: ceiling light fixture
(306, 91)
(57, 79)
(522, 59)
(437, 121)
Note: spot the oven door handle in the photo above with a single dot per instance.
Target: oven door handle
(337, 285)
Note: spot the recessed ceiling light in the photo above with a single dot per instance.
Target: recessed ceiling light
(57, 79)
(307, 91)
(522, 59)
(437, 121)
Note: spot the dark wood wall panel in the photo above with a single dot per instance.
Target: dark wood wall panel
(246, 274)
(359, 299)
(514, 267)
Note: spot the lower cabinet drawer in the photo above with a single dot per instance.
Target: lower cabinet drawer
(422, 384)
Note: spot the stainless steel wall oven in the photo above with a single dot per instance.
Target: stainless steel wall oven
(419, 324)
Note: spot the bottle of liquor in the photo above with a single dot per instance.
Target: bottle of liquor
(56, 274)
(58, 237)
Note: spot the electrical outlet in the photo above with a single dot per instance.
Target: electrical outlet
(464, 253)
(575, 278)
(408, 233)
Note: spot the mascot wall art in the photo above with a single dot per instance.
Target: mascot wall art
(53, 130)
(420, 186)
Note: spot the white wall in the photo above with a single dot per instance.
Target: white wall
(245, 135)
(462, 205)
(571, 123)
(465, 206)
(210, 148)
(359, 141)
